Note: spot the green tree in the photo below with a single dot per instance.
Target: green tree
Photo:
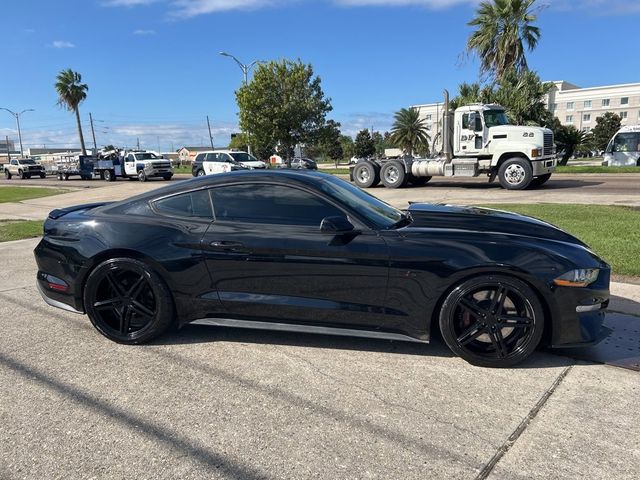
(327, 144)
(503, 28)
(364, 147)
(348, 147)
(282, 106)
(409, 131)
(239, 141)
(606, 127)
(570, 139)
(71, 93)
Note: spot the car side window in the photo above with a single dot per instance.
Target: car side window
(189, 205)
(271, 204)
(465, 121)
(199, 157)
(129, 158)
(210, 157)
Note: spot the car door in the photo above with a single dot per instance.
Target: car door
(130, 164)
(270, 261)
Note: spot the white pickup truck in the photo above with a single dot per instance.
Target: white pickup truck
(23, 168)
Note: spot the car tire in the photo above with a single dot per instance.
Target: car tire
(108, 176)
(515, 173)
(539, 181)
(366, 175)
(21, 175)
(200, 173)
(43, 175)
(167, 177)
(142, 176)
(7, 174)
(127, 301)
(419, 181)
(393, 174)
(492, 320)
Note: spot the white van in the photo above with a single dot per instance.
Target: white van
(624, 148)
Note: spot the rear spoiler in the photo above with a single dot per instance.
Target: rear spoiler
(59, 212)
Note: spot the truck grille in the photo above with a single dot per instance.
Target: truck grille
(548, 144)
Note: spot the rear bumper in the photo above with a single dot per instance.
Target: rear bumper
(53, 302)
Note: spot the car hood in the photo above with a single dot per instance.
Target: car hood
(477, 219)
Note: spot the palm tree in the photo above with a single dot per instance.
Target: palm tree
(70, 94)
(504, 27)
(569, 139)
(409, 131)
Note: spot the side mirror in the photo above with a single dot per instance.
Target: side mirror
(336, 225)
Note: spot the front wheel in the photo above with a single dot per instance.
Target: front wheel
(7, 174)
(200, 173)
(515, 173)
(492, 321)
(142, 176)
(43, 175)
(167, 177)
(541, 180)
(21, 175)
(127, 301)
(393, 175)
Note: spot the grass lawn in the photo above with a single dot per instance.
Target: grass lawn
(17, 194)
(19, 229)
(612, 232)
(596, 169)
(182, 169)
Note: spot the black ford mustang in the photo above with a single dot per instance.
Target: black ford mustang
(309, 252)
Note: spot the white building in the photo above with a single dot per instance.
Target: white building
(571, 104)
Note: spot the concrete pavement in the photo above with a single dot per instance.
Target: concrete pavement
(223, 403)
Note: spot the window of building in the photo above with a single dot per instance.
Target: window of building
(606, 102)
(624, 101)
(274, 204)
(623, 115)
(569, 105)
(428, 117)
(193, 204)
(553, 107)
(586, 117)
(586, 129)
(587, 104)
(569, 119)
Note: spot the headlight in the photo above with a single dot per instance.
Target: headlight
(578, 278)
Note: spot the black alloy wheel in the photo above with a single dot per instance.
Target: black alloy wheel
(128, 302)
(493, 321)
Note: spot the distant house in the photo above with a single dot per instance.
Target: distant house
(187, 154)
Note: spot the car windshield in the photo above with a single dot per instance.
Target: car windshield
(495, 118)
(243, 157)
(145, 156)
(374, 210)
(627, 142)
(27, 161)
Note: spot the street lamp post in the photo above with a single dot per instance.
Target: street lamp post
(245, 72)
(17, 115)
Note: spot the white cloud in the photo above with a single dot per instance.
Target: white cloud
(193, 8)
(353, 123)
(62, 44)
(127, 3)
(141, 31)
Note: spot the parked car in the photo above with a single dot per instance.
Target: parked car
(304, 164)
(222, 161)
(23, 168)
(309, 252)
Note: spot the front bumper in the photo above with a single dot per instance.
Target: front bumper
(544, 165)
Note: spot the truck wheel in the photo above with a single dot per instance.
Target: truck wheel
(515, 174)
(541, 180)
(142, 176)
(7, 174)
(366, 174)
(393, 174)
(107, 175)
(167, 176)
(20, 174)
(43, 175)
(419, 181)
(60, 176)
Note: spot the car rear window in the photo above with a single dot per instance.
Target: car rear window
(190, 205)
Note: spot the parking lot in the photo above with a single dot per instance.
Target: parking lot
(224, 403)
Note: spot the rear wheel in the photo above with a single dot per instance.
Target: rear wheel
(109, 176)
(200, 173)
(393, 174)
(492, 321)
(515, 173)
(366, 175)
(541, 180)
(127, 301)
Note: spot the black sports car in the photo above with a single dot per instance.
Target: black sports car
(308, 252)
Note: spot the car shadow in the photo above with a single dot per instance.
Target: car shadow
(193, 334)
(560, 184)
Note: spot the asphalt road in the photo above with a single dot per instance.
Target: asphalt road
(223, 403)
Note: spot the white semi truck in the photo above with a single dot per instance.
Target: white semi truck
(476, 140)
(624, 148)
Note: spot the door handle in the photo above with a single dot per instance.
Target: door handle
(227, 246)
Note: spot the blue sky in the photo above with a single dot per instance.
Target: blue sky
(154, 71)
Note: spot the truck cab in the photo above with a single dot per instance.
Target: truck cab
(624, 148)
(144, 165)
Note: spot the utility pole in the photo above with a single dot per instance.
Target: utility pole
(158, 138)
(93, 133)
(17, 115)
(210, 137)
(6, 138)
(138, 143)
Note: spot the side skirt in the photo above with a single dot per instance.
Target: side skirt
(287, 327)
